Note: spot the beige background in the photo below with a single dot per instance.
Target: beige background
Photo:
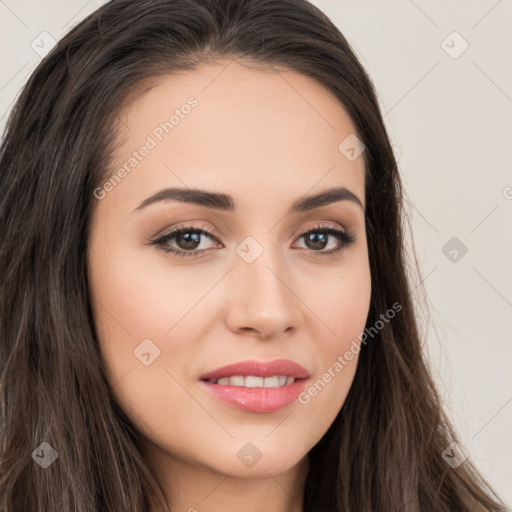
(449, 113)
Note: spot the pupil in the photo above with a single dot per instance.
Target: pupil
(314, 237)
(188, 238)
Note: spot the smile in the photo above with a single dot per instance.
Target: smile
(257, 386)
(252, 381)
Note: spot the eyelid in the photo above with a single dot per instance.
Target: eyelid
(322, 225)
(348, 237)
(211, 232)
(215, 234)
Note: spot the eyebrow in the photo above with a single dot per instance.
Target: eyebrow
(226, 202)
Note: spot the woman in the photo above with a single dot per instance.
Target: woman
(204, 298)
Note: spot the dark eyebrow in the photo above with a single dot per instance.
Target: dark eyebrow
(225, 202)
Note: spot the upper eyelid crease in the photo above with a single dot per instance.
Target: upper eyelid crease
(227, 203)
(345, 236)
(214, 234)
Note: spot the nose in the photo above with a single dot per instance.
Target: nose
(263, 302)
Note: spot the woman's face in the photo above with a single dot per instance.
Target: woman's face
(251, 145)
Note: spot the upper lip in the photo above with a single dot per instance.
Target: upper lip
(259, 369)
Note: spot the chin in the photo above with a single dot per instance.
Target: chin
(259, 457)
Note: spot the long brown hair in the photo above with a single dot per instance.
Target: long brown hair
(384, 450)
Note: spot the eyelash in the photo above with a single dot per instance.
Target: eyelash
(346, 239)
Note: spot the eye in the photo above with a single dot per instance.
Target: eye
(188, 240)
(316, 239)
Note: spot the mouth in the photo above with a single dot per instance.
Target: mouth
(255, 386)
(254, 381)
(254, 370)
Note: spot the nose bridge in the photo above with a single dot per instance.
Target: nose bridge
(263, 278)
(263, 299)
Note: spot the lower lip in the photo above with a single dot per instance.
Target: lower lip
(257, 399)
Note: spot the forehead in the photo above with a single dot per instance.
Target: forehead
(248, 127)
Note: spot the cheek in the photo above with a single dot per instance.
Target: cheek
(150, 318)
(138, 311)
(141, 298)
(342, 304)
(130, 304)
(340, 299)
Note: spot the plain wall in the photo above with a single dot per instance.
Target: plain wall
(449, 114)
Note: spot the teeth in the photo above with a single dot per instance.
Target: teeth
(271, 382)
(235, 381)
(253, 382)
(256, 382)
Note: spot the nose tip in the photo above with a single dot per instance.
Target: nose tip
(266, 333)
(263, 303)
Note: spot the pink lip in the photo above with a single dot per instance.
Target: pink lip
(259, 369)
(257, 399)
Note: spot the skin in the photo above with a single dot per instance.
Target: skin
(267, 139)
